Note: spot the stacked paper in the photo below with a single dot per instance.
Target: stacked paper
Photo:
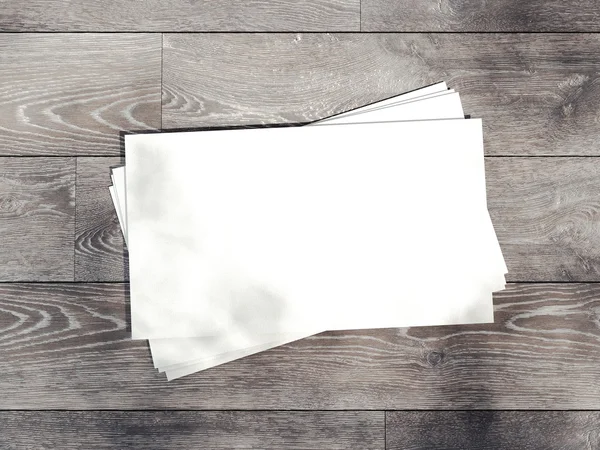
(242, 240)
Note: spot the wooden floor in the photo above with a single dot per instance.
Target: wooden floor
(73, 75)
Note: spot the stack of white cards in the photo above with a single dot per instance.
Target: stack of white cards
(242, 240)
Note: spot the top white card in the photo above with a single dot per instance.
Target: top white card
(255, 231)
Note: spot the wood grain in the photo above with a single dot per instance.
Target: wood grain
(67, 346)
(37, 218)
(71, 94)
(478, 15)
(181, 15)
(546, 212)
(100, 253)
(492, 430)
(193, 429)
(539, 94)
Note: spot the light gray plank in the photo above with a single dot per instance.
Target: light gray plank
(477, 15)
(537, 93)
(67, 346)
(181, 15)
(100, 253)
(492, 430)
(193, 429)
(70, 94)
(37, 219)
(545, 212)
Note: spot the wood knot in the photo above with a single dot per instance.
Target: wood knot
(578, 79)
(8, 204)
(435, 358)
(568, 110)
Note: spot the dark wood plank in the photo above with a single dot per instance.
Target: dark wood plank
(538, 94)
(478, 15)
(67, 346)
(492, 430)
(68, 94)
(546, 212)
(37, 219)
(182, 15)
(193, 429)
(100, 253)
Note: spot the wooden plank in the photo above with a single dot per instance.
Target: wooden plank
(545, 211)
(100, 253)
(37, 218)
(538, 93)
(459, 15)
(65, 94)
(182, 15)
(66, 346)
(492, 430)
(193, 429)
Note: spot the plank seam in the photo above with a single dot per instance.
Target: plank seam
(86, 155)
(75, 223)
(385, 430)
(360, 16)
(537, 410)
(303, 32)
(127, 282)
(162, 50)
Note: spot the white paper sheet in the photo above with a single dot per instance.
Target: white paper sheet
(395, 101)
(168, 347)
(420, 93)
(153, 349)
(175, 371)
(443, 106)
(259, 252)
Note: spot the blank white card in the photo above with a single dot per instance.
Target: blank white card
(286, 238)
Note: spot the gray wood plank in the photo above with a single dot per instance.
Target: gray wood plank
(68, 94)
(538, 94)
(181, 15)
(100, 253)
(67, 346)
(492, 430)
(545, 211)
(192, 429)
(37, 218)
(478, 15)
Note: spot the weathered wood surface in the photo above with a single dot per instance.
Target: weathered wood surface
(67, 346)
(492, 430)
(546, 212)
(71, 94)
(192, 429)
(181, 15)
(100, 253)
(305, 15)
(37, 218)
(479, 15)
(539, 94)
